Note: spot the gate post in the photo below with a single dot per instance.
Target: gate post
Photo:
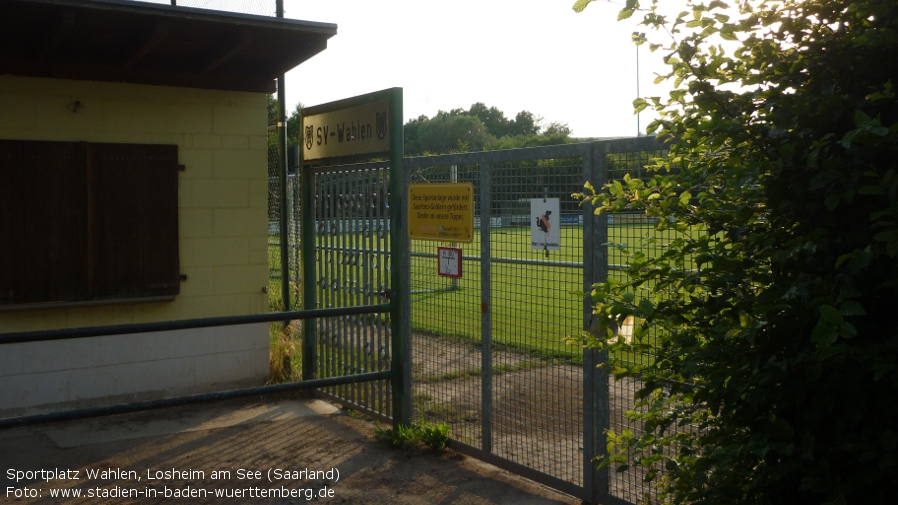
(595, 379)
(307, 245)
(400, 284)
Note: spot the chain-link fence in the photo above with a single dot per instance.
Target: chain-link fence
(275, 298)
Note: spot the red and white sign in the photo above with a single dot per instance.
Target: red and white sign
(449, 261)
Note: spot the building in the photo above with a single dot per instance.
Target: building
(133, 189)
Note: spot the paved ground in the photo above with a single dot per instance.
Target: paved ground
(244, 451)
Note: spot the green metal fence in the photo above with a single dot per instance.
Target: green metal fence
(488, 351)
(489, 356)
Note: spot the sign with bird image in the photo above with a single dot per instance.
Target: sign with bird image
(545, 221)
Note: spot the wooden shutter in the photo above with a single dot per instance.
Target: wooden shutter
(133, 238)
(83, 221)
(43, 222)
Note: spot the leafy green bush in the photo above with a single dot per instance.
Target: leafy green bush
(433, 435)
(775, 356)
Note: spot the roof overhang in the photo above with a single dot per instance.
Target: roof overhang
(142, 43)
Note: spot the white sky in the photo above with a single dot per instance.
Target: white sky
(535, 55)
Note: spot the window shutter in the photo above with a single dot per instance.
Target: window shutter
(43, 222)
(134, 220)
(158, 223)
(83, 221)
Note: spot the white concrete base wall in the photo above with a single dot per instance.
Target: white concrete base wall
(64, 374)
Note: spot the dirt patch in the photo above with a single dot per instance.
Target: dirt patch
(537, 410)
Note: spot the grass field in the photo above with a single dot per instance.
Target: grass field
(536, 301)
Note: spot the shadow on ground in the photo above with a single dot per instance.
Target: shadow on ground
(163, 454)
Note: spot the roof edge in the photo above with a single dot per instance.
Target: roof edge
(193, 13)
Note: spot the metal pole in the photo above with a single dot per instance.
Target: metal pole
(400, 270)
(486, 322)
(282, 178)
(639, 35)
(307, 242)
(595, 387)
(638, 128)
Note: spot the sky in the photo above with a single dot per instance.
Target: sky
(534, 55)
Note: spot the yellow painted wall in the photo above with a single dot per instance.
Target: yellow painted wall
(222, 141)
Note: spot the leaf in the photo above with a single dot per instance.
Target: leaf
(886, 236)
(646, 307)
(870, 190)
(579, 5)
(728, 33)
(824, 335)
(624, 14)
(831, 315)
(842, 259)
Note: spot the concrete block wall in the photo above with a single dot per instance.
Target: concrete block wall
(222, 141)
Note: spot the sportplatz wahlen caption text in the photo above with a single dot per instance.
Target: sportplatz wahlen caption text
(112, 474)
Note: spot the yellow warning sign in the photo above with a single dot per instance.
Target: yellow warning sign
(441, 211)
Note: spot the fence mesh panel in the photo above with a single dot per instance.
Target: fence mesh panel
(537, 302)
(638, 234)
(446, 324)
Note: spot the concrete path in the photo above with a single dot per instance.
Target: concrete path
(279, 450)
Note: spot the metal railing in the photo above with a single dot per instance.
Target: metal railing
(99, 331)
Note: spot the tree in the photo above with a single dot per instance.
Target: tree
(525, 123)
(492, 118)
(480, 128)
(775, 357)
(448, 132)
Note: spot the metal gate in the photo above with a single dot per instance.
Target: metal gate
(353, 248)
(354, 252)
(488, 350)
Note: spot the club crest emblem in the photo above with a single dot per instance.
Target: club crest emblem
(308, 137)
(381, 125)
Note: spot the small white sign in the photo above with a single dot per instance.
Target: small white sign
(449, 261)
(545, 224)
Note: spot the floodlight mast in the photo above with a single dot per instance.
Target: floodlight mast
(637, 35)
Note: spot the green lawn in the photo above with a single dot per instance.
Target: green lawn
(536, 301)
